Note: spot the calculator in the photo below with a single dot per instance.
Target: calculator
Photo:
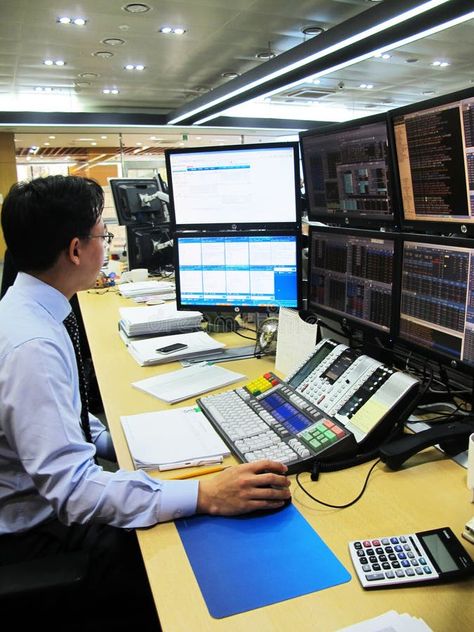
(410, 559)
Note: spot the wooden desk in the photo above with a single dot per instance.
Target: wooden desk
(430, 493)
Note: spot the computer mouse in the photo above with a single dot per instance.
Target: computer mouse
(155, 301)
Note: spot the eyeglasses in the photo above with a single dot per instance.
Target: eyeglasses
(107, 237)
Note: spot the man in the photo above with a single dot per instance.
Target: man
(53, 495)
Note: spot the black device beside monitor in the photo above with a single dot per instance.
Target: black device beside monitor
(235, 186)
(348, 173)
(352, 277)
(434, 143)
(241, 271)
(136, 201)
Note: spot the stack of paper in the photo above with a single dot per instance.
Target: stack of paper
(197, 343)
(390, 621)
(150, 288)
(170, 439)
(178, 385)
(148, 320)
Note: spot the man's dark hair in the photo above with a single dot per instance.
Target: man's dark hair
(41, 217)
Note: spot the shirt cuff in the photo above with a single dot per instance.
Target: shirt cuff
(178, 499)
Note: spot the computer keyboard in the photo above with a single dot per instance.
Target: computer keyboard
(336, 404)
(278, 424)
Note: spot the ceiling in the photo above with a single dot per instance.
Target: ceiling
(221, 36)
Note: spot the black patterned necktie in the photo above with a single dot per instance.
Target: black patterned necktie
(72, 328)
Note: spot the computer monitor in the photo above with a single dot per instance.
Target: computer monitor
(348, 173)
(137, 202)
(235, 186)
(434, 143)
(149, 247)
(352, 277)
(240, 271)
(437, 298)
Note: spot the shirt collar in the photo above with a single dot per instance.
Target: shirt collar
(51, 299)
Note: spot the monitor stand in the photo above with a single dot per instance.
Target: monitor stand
(221, 323)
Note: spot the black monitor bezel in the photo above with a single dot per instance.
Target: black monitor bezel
(438, 227)
(147, 216)
(347, 321)
(341, 218)
(240, 233)
(424, 351)
(237, 225)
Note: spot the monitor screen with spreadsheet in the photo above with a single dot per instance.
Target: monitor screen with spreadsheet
(352, 276)
(241, 271)
(235, 186)
(434, 144)
(437, 297)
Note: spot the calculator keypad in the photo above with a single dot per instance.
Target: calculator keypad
(388, 561)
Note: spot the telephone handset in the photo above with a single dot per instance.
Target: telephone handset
(452, 437)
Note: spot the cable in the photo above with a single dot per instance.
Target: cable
(246, 337)
(352, 502)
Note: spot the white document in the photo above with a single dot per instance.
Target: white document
(294, 342)
(145, 287)
(197, 343)
(137, 321)
(170, 439)
(184, 383)
(390, 621)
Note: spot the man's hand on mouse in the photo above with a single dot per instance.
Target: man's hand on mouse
(244, 488)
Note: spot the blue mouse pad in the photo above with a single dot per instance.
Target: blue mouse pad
(252, 561)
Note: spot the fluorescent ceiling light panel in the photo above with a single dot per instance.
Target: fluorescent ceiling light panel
(357, 37)
(355, 60)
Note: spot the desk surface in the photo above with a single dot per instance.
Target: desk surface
(430, 492)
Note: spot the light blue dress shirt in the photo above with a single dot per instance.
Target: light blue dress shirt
(47, 467)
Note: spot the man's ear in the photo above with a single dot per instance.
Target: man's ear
(74, 251)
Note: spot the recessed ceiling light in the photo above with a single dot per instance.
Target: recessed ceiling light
(312, 30)
(52, 137)
(136, 7)
(54, 62)
(103, 137)
(174, 30)
(68, 20)
(427, 93)
(411, 60)
(265, 54)
(83, 84)
(113, 41)
(440, 64)
(134, 67)
(230, 75)
(103, 54)
(88, 75)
